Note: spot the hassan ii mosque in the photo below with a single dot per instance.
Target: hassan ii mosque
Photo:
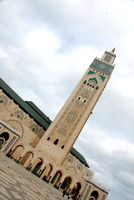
(45, 148)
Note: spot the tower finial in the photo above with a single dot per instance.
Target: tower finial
(113, 50)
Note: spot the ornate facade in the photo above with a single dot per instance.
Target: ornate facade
(45, 148)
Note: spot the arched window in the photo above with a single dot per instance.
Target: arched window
(5, 135)
(2, 141)
(37, 167)
(48, 138)
(94, 194)
(62, 147)
(66, 183)
(56, 141)
(92, 198)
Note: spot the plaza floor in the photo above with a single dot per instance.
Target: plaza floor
(16, 183)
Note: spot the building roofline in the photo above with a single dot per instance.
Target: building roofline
(75, 153)
(17, 99)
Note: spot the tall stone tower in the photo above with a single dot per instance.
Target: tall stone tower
(65, 128)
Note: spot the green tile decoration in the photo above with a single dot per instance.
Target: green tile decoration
(102, 77)
(101, 66)
(91, 72)
(94, 79)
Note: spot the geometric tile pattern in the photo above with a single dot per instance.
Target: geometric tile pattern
(104, 67)
(16, 183)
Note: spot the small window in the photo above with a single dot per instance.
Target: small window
(90, 85)
(48, 138)
(79, 98)
(85, 82)
(56, 141)
(84, 101)
(33, 129)
(93, 86)
(97, 87)
(18, 116)
(62, 147)
(1, 100)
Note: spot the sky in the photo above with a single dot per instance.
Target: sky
(45, 48)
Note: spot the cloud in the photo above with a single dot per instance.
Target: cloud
(45, 48)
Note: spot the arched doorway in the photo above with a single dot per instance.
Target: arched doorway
(27, 159)
(17, 152)
(66, 183)
(94, 195)
(47, 171)
(37, 167)
(75, 191)
(56, 178)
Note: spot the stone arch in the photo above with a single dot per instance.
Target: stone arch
(76, 189)
(18, 143)
(47, 171)
(56, 178)
(26, 160)
(16, 125)
(37, 165)
(16, 153)
(66, 183)
(94, 195)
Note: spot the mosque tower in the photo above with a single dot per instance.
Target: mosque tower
(58, 140)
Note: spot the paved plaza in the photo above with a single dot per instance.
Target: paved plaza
(17, 183)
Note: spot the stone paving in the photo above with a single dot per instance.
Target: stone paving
(16, 183)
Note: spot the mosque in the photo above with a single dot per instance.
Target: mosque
(45, 148)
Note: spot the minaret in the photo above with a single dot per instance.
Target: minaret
(66, 127)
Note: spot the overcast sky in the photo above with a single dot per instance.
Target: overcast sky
(45, 48)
